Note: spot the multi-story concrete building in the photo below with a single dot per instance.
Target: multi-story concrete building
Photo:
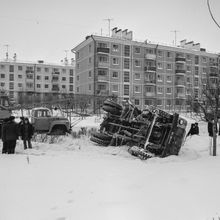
(146, 73)
(38, 80)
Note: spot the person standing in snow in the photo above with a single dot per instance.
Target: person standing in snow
(26, 132)
(193, 130)
(10, 134)
(4, 147)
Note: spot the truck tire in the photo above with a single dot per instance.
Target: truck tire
(99, 141)
(111, 110)
(112, 104)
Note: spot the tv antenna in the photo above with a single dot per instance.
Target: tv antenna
(7, 46)
(175, 36)
(109, 25)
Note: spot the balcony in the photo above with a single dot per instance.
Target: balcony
(102, 50)
(102, 92)
(180, 59)
(181, 71)
(150, 56)
(150, 68)
(150, 81)
(55, 79)
(150, 94)
(55, 88)
(213, 65)
(29, 71)
(103, 64)
(55, 73)
(213, 74)
(180, 96)
(180, 83)
(102, 78)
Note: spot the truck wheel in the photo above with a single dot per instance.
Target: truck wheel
(99, 141)
(111, 110)
(112, 104)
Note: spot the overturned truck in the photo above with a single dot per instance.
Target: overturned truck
(148, 133)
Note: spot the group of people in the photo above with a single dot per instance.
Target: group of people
(11, 131)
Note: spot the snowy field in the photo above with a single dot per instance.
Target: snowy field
(76, 180)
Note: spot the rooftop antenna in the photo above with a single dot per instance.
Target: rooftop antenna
(7, 46)
(175, 35)
(109, 25)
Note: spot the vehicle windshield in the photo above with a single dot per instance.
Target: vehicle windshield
(43, 113)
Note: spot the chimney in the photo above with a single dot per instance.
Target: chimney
(114, 32)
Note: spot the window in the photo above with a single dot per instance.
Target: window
(63, 86)
(90, 48)
(71, 80)
(115, 48)
(90, 60)
(46, 86)
(169, 54)
(46, 70)
(2, 84)
(103, 59)
(77, 78)
(102, 72)
(115, 61)
(159, 78)
(126, 77)
(160, 53)
(63, 78)
(77, 65)
(169, 66)
(137, 50)
(196, 60)
(46, 77)
(71, 72)
(38, 77)
(64, 70)
(137, 63)
(77, 55)
(188, 57)
(159, 65)
(38, 69)
(11, 85)
(11, 68)
(115, 74)
(204, 59)
(77, 89)
(2, 67)
(19, 76)
(169, 90)
(137, 89)
(90, 73)
(127, 50)
(137, 101)
(30, 76)
(169, 78)
(19, 85)
(126, 63)
(11, 77)
(160, 90)
(188, 68)
(203, 69)
(137, 76)
(196, 82)
(168, 102)
(90, 87)
(159, 102)
(38, 86)
(19, 68)
(2, 76)
(71, 88)
(114, 88)
(126, 89)
(102, 45)
(196, 70)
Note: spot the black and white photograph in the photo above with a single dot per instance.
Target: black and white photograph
(110, 110)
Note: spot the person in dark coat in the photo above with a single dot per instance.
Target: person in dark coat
(26, 132)
(5, 147)
(194, 129)
(10, 134)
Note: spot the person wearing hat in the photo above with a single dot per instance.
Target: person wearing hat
(5, 147)
(10, 134)
(26, 133)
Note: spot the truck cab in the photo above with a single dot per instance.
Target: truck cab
(44, 122)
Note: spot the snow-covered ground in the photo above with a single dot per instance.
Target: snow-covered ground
(76, 180)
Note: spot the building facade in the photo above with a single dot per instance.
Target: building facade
(145, 73)
(35, 81)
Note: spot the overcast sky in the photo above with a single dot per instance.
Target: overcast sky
(44, 29)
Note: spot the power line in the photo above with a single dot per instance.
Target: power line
(212, 14)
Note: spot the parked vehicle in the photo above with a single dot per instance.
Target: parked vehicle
(151, 132)
(44, 122)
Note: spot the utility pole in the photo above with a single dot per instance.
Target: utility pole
(7, 46)
(175, 35)
(109, 25)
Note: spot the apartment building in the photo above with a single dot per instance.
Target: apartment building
(25, 80)
(145, 73)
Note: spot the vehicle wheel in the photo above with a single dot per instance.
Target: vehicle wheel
(102, 136)
(99, 141)
(112, 104)
(111, 110)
